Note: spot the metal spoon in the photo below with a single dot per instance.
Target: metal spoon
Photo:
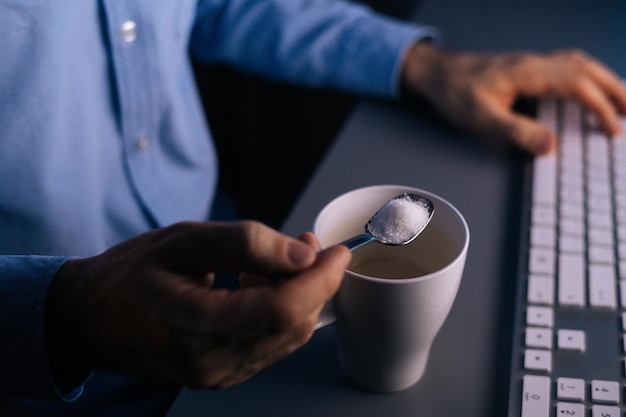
(376, 229)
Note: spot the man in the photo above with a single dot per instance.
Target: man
(108, 177)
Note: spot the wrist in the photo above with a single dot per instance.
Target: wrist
(66, 335)
(423, 63)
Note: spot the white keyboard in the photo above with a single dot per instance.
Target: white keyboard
(569, 344)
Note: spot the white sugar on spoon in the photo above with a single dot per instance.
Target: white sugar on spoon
(397, 222)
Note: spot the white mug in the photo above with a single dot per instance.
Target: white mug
(387, 314)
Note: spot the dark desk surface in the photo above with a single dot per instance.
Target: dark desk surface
(382, 142)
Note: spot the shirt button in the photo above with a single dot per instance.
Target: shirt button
(142, 143)
(128, 31)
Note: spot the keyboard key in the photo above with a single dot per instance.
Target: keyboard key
(571, 290)
(535, 396)
(573, 211)
(572, 227)
(541, 261)
(602, 286)
(600, 193)
(604, 391)
(539, 316)
(540, 290)
(601, 254)
(544, 215)
(543, 236)
(572, 171)
(544, 179)
(572, 120)
(574, 244)
(571, 174)
(570, 410)
(538, 360)
(600, 236)
(539, 337)
(597, 148)
(570, 389)
(571, 340)
(600, 218)
(604, 411)
(572, 195)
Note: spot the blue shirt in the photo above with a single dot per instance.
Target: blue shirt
(102, 134)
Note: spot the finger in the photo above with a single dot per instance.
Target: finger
(600, 104)
(247, 280)
(316, 285)
(209, 279)
(531, 135)
(303, 294)
(238, 246)
(311, 239)
(609, 82)
(616, 90)
(594, 85)
(252, 280)
(525, 131)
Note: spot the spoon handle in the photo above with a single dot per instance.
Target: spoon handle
(358, 241)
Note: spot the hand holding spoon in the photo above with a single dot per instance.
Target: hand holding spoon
(398, 222)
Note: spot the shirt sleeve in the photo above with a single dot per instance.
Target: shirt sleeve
(24, 370)
(330, 43)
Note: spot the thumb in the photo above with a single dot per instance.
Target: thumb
(244, 246)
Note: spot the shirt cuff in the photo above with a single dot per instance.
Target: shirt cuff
(24, 368)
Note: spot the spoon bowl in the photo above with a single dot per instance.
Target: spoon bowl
(398, 222)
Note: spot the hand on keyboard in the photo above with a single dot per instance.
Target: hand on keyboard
(477, 91)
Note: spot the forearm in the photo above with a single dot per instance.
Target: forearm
(327, 43)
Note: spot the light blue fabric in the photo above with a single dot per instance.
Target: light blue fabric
(102, 134)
